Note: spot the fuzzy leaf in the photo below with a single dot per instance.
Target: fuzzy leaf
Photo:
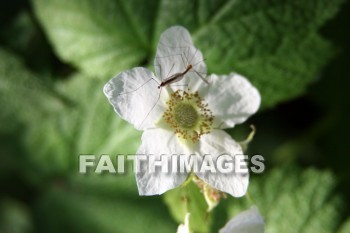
(294, 201)
(274, 43)
(87, 125)
(22, 94)
(75, 211)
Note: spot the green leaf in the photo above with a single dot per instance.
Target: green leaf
(14, 217)
(345, 227)
(189, 199)
(294, 201)
(62, 121)
(87, 125)
(101, 38)
(23, 35)
(274, 43)
(65, 208)
(84, 123)
(22, 94)
(294, 64)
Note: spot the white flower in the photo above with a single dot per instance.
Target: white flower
(185, 228)
(186, 117)
(249, 221)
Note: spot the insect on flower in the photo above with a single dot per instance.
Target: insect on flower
(174, 78)
(172, 64)
(179, 76)
(183, 121)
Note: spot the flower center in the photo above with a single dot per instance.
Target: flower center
(185, 115)
(188, 115)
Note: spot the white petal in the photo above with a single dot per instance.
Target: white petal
(215, 144)
(175, 52)
(185, 228)
(232, 99)
(249, 221)
(136, 98)
(159, 142)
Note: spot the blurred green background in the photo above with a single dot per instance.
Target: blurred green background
(56, 55)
